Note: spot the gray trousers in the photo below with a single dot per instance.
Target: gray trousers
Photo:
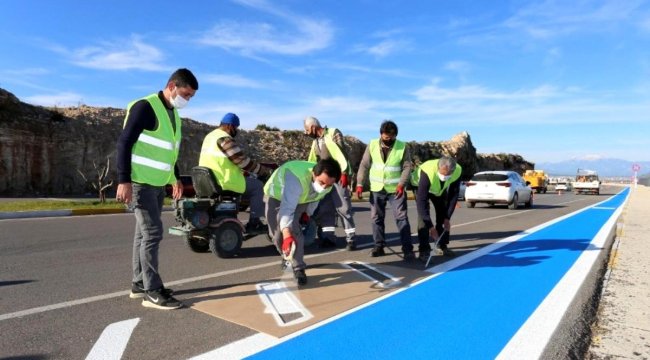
(378, 200)
(255, 192)
(273, 219)
(336, 203)
(147, 206)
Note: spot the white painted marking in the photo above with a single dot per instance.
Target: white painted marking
(393, 280)
(254, 345)
(239, 349)
(112, 342)
(279, 300)
(542, 323)
(603, 208)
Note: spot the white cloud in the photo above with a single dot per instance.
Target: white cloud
(433, 92)
(232, 80)
(304, 35)
(387, 47)
(64, 99)
(132, 54)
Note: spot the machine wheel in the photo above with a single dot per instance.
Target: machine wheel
(226, 240)
(470, 204)
(515, 202)
(197, 244)
(529, 203)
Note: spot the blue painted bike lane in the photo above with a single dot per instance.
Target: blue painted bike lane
(470, 311)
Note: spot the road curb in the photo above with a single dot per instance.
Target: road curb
(7, 215)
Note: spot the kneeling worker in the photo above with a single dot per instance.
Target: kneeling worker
(228, 162)
(437, 182)
(293, 191)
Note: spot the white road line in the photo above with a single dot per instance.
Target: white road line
(87, 300)
(393, 280)
(278, 300)
(238, 350)
(112, 342)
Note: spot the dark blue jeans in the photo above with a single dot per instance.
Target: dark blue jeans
(378, 200)
(147, 206)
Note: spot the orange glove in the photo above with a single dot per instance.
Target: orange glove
(359, 191)
(399, 191)
(304, 219)
(286, 245)
(344, 180)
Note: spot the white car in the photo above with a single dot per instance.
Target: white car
(461, 193)
(498, 187)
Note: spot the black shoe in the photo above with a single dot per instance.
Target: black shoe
(424, 256)
(255, 227)
(409, 256)
(137, 291)
(445, 251)
(351, 245)
(326, 243)
(301, 277)
(160, 299)
(377, 251)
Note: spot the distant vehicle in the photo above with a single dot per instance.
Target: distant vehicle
(563, 184)
(461, 193)
(498, 187)
(586, 182)
(537, 179)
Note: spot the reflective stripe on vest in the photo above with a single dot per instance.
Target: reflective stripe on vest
(431, 169)
(229, 175)
(302, 170)
(385, 175)
(155, 152)
(332, 148)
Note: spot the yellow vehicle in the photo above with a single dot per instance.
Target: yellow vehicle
(537, 180)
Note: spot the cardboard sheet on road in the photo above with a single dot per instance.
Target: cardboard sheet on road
(332, 289)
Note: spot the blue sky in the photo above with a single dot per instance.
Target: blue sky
(549, 80)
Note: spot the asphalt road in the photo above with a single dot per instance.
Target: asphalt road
(64, 280)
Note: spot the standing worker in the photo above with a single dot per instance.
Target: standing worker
(328, 144)
(293, 191)
(147, 150)
(438, 182)
(228, 163)
(389, 163)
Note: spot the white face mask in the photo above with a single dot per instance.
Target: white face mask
(317, 187)
(443, 177)
(178, 101)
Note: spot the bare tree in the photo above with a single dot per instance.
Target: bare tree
(99, 184)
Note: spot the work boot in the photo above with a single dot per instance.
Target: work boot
(300, 276)
(378, 251)
(350, 244)
(424, 256)
(255, 227)
(327, 242)
(409, 255)
(445, 251)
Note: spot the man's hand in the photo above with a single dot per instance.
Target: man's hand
(344, 180)
(433, 233)
(177, 190)
(124, 193)
(304, 219)
(399, 191)
(359, 192)
(286, 246)
(447, 225)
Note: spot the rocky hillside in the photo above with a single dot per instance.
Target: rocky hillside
(42, 149)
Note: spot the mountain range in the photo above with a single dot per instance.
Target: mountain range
(604, 166)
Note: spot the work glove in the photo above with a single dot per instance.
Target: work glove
(344, 180)
(399, 191)
(359, 192)
(288, 246)
(304, 219)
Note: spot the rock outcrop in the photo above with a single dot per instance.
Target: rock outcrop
(43, 149)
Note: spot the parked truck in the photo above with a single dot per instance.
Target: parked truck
(537, 179)
(586, 182)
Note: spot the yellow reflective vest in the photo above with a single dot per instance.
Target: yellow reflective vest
(385, 175)
(302, 170)
(154, 154)
(229, 175)
(430, 168)
(332, 148)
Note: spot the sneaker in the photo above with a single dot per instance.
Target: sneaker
(377, 251)
(255, 227)
(409, 256)
(326, 243)
(137, 291)
(424, 256)
(445, 251)
(159, 299)
(351, 246)
(301, 277)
